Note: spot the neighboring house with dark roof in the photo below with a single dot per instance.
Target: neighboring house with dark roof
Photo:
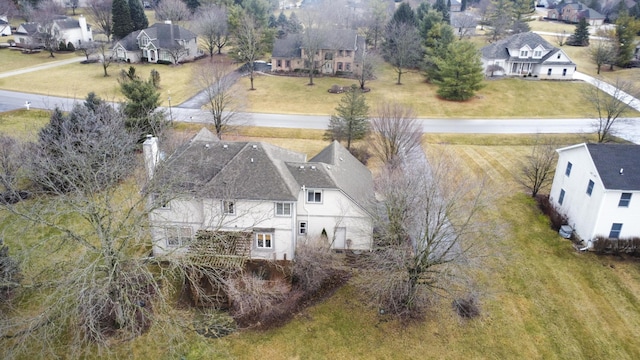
(572, 12)
(159, 42)
(66, 29)
(527, 53)
(339, 51)
(270, 197)
(456, 6)
(597, 186)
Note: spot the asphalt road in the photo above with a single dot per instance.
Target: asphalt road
(629, 128)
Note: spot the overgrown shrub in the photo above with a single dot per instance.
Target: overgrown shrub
(70, 46)
(62, 46)
(546, 206)
(604, 245)
(252, 297)
(314, 264)
(467, 307)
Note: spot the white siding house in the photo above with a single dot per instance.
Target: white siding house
(66, 29)
(272, 196)
(527, 54)
(597, 186)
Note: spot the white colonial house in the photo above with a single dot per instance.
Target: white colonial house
(65, 29)
(526, 54)
(159, 42)
(256, 200)
(597, 186)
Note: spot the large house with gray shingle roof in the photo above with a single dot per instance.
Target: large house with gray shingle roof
(527, 54)
(339, 51)
(572, 12)
(597, 186)
(159, 42)
(267, 197)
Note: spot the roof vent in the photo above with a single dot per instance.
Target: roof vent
(341, 159)
(313, 167)
(251, 159)
(254, 146)
(206, 146)
(301, 167)
(225, 146)
(621, 171)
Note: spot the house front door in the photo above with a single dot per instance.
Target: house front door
(152, 56)
(341, 237)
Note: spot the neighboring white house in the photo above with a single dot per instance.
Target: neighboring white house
(597, 186)
(527, 53)
(5, 27)
(66, 29)
(270, 198)
(159, 42)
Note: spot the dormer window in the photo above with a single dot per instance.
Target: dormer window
(537, 53)
(524, 53)
(144, 41)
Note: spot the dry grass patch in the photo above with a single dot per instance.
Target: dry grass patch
(23, 124)
(14, 59)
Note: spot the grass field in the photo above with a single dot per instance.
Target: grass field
(540, 298)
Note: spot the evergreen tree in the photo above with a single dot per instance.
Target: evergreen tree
(405, 15)
(193, 5)
(138, 17)
(443, 8)
(294, 26)
(463, 5)
(437, 42)
(352, 120)
(142, 100)
(581, 34)
(460, 71)
(121, 17)
(626, 29)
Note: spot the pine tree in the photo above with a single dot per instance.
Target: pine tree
(121, 17)
(626, 29)
(405, 15)
(460, 71)
(193, 5)
(138, 17)
(581, 35)
(352, 120)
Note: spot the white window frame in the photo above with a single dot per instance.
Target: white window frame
(144, 41)
(281, 209)
(303, 228)
(537, 53)
(229, 207)
(182, 235)
(524, 53)
(567, 170)
(314, 192)
(616, 229)
(265, 238)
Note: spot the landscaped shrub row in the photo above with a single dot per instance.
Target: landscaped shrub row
(603, 245)
(557, 219)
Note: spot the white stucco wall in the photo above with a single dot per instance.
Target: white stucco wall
(591, 216)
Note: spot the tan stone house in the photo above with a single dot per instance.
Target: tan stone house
(338, 51)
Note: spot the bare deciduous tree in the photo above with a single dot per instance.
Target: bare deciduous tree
(428, 233)
(48, 11)
(396, 131)
(211, 23)
(609, 108)
(174, 10)
(560, 37)
(603, 49)
(100, 13)
(314, 38)
(176, 52)
(216, 80)
(88, 48)
(250, 42)
(538, 168)
(106, 58)
(402, 48)
(368, 66)
(8, 8)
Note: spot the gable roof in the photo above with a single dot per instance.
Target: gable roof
(29, 28)
(610, 158)
(210, 168)
(163, 36)
(67, 23)
(499, 49)
(336, 39)
(348, 173)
